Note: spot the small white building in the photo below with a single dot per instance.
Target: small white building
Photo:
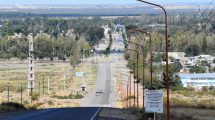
(176, 55)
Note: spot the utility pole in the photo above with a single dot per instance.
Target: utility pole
(39, 87)
(130, 89)
(43, 85)
(127, 93)
(31, 77)
(48, 85)
(8, 94)
(64, 82)
(21, 93)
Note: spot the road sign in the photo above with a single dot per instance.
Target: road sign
(154, 101)
(79, 74)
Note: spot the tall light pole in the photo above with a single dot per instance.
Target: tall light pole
(166, 36)
(150, 40)
(137, 53)
(142, 70)
(130, 82)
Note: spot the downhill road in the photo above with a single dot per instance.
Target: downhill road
(104, 95)
(82, 113)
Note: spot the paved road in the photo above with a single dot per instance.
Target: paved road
(81, 113)
(100, 97)
(91, 104)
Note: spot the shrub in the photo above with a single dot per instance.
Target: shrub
(70, 96)
(190, 89)
(211, 88)
(2, 89)
(35, 96)
(25, 102)
(78, 96)
(178, 87)
(10, 107)
(50, 102)
(205, 89)
(35, 106)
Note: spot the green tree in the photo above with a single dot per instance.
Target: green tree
(173, 80)
(95, 34)
(204, 88)
(211, 88)
(205, 63)
(204, 45)
(177, 67)
(197, 69)
(192, 50)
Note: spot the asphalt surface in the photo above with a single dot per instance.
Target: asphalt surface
(81, 113)
(100, 97)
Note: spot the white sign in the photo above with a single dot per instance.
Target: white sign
(154, 101)
(79, 74)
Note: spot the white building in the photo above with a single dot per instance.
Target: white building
(198, 80)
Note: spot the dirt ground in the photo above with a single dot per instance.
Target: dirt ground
(192, 114)
(116, 114)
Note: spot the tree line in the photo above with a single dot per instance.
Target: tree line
(53, 37)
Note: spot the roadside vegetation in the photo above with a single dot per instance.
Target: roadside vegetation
(11, 107)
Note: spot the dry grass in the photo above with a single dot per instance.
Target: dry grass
(55, 72)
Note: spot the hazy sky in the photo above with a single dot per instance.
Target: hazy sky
(90, 2)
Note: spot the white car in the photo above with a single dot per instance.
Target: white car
(99, 92)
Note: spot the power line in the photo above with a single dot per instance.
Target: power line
(201, 17)
(211, 14)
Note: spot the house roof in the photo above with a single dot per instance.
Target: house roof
(197, 75)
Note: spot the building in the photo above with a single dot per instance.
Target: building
(176, 55)
(207, 58)
(198, 80)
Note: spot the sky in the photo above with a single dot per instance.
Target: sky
(90, 2)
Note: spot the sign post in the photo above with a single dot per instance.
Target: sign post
(154, 101)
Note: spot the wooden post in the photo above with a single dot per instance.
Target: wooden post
(21, 93)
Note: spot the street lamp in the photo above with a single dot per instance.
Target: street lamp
(137, 53)
(127, 89)
(150, 40)
(166, 36)
(142, 68)
(130, 83)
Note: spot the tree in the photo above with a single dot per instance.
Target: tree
(205, 63)
(158, 57)
(95, 34)
(197, 69)
(177, 67)
(173, 80)
(43, 46)
(127, 56)
(211, 88)
(204, 45)
(204, 89)
(192, 50)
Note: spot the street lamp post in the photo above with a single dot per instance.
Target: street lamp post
(137, 53)
(127, 89)
(130, 82)
(166, 36)
(150, 40)
(142, 68)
